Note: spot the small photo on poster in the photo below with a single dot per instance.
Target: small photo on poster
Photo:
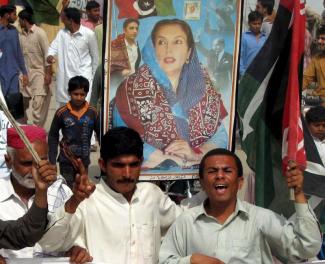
(192, 10)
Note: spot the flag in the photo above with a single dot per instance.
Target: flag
(292, 135)
(45, 11)
(165, 8)
(314, 175)
(261, 99)
(126, 9)
(4, 2)
(131, 8)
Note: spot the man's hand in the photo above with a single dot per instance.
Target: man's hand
(44, 175)
(78, 255)
(47, 79)
(202, 259)
(295, 180)
(50, 59)
(2, 260)
(82, 189)
(25, 80)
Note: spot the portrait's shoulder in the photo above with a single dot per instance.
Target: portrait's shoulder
(118, 42)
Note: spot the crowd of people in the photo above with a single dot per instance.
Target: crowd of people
(119, 219)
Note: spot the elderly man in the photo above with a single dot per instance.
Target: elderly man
(126, 218)
(29, 228)
(77, 51)
(224, 229)
(17, 191)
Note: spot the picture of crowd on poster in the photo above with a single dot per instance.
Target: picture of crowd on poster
(171, 78)
(314, 60)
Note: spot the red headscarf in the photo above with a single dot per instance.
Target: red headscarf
(33, 133)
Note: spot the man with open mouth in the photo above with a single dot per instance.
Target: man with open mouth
(224, 229)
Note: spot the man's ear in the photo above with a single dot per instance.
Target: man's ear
(8, 160)
(240, 182)
(102, 165)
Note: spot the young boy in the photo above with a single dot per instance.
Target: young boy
(252, 41)
(315, 118)
(77, 120)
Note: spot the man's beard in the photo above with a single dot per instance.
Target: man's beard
(321, 49)
(27, 181)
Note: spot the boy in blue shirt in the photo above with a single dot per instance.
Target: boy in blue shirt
(77, 120)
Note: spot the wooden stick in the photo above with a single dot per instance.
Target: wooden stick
(20, 132)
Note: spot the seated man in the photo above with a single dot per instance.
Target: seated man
(226, 230)
(17, 190)
(123, 220)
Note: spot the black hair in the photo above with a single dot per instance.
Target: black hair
(185, 27)
(129, 21)
(268, 4)
(78, 82)
(27, 14)
(5, 9)
(121, 141)
(91, 5)
(321, 31)
(254, 16)
(315, 114)
(221, 152)
(73, 14)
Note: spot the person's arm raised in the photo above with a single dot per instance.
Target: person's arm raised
(295, 180)
(44, 175)
(82, 189)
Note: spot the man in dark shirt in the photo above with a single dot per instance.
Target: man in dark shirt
(77, 120)
(11, 58)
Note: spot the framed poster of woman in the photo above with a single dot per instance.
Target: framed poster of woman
(171, 76)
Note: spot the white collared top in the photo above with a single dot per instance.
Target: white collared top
(113, 230)
(12, 207)
(77, 55)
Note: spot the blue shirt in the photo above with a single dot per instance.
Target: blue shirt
(250, 46)
(11, 59)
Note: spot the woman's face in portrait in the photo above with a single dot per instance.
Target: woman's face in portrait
(172, 49)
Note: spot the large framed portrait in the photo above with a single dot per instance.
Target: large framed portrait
(170, 74)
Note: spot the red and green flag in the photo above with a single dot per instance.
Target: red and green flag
(130, 8)
(262, 95)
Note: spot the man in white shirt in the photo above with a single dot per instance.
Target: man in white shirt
(123, 221)
(17, 190)
(77, 51)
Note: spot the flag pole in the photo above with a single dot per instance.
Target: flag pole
(19, 131)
